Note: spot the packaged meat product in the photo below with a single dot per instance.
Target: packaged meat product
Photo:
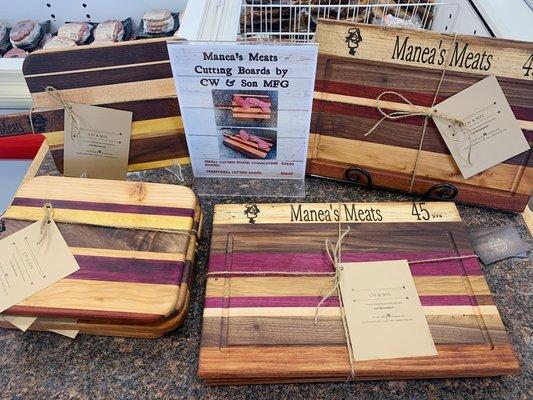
(16, 53)
(27, 34)
(157, 23)
(5, 44)
(112, 31)
(59, 43)
(79, 32)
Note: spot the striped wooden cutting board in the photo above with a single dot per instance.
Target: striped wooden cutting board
(268, 270)
(133, 76)
(344, 110)
(130, 239)
(127, 329)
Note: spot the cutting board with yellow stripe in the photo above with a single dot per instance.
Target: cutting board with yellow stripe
(130, 240)
(133, 76)
(268, 270)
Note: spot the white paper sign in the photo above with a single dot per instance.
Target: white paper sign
(246, 108)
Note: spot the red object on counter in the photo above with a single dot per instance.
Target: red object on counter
(22, 147)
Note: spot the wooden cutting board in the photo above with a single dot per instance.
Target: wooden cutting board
(344, 110)
(130, 239)
(133, 76)
(268, 270)
(125, 329)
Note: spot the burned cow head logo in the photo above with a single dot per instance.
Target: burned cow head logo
(353, 38)
(251, 211)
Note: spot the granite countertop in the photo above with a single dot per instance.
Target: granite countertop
(45, 365)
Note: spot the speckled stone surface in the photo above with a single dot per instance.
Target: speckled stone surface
(46, 365)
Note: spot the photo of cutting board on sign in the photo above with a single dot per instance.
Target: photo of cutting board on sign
(253, 146)
(244, 106)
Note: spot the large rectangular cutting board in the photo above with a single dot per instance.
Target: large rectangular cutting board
(130, 239)
(389, 59)
(268, 270)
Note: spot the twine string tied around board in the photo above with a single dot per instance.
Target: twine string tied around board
(56, 95)
(48, 217)
(429, 113)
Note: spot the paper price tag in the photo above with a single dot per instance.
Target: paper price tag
(383, 312)
(100, 148)
(491, 133)
(29, 264)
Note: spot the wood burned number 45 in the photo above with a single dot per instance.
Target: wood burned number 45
(422, 214)
(528, 66)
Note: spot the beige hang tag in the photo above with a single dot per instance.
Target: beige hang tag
(490, 133)
(97, 142)
(383, 312)
(21, 322)
(31, 260)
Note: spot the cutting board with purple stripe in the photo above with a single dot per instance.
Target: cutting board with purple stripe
(130, 240)
(268, 270)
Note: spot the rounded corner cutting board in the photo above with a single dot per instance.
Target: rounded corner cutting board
(130, 240)
(266, 278)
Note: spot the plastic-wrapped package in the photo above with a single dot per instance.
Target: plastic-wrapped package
(5, 44)
(27, 34)
(79, 32)
(16, 53)
(112, 31)
(157, 23)
(58, 42)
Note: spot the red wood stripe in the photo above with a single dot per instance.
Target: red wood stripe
(312, 301)
(310, 263)
(107, 207)
(115, 269)
(83, 314)
(423, 99)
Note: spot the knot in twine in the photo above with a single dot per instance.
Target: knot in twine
(45, 222)
(431, 112)
(55, 94)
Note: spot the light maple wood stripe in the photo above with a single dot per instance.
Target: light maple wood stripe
(389, 105)
(106, 296)
(318, 285)
(106, 94)
(158, 164)
(149, 128)
(144, 255)
(233, 214)
(108, 191)
(431, 165)
(102, 218)
(378, 44)
(334, 311)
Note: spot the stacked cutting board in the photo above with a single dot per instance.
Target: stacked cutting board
(268, 270)
(252, 146)
(358, 62)
(135, 244)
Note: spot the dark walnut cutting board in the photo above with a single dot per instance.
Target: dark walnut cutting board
(268, 270)
(133, 76)
(358, 62)
(131, 240)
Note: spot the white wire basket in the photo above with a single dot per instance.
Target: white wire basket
(295, 20)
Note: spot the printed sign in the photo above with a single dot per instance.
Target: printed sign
(246, 108)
